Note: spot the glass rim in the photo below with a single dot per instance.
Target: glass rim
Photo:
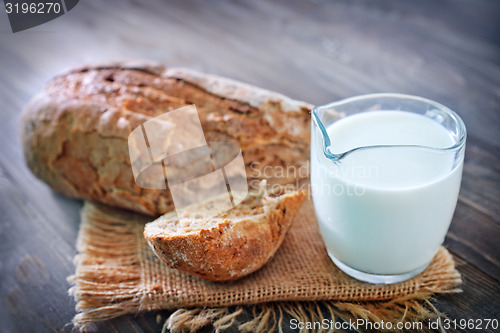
(338, 156)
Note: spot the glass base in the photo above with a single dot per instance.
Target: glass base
(376, 278)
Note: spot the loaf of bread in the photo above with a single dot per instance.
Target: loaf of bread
(75, 131)
(229, 246)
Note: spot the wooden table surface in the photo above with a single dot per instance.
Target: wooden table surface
(317, 51)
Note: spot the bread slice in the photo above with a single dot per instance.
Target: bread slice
(228, 246)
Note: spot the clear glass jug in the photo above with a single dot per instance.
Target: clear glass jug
(385, 175)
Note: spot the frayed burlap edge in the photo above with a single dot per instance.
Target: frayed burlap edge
(105, 290)
(270, 317)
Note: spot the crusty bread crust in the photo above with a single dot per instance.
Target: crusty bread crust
(75, 131)
(231, 249)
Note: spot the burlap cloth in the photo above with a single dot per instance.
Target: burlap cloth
(117, 273)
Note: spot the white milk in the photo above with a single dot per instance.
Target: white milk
(386, 210)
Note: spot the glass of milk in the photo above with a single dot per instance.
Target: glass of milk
(385, 176)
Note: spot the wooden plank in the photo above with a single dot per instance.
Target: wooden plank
(479, 300)
(481, 179)
(474, 237)
(35, 261)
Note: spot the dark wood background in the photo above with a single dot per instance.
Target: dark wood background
(317, 51)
